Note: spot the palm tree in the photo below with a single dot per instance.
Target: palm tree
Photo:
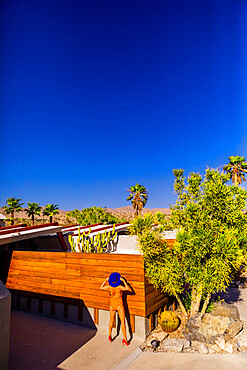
(13, 205)
(50, 210)
(236, 168)
(138, 196)
(33, 209)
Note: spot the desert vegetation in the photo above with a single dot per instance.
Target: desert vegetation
(92, 215)
(211, 240)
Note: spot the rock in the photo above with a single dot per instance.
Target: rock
(222, 322)
(225, 310)
(219, 326)
(200, 347)
(142, 346)
(213, 348)
(172, 345)
(184, 342)
(221, 343)
(192, 328)
(211, 351)
(242, 340)
(159, 334)
(228, 348)
(189, 350)
(149, 349)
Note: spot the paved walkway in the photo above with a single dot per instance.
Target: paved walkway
(185, 361)
(40, 343)
(238, 297)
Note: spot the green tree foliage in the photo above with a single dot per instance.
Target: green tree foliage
(93, 215)
(236, 168)
(138, 197)
(32, 210)
(13, 205)
(210, 243)
(50, 210)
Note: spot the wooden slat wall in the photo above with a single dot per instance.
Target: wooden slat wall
(79, 276)
(154, 298)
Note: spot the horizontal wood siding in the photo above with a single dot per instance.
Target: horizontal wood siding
(154, 298)
(79, 276)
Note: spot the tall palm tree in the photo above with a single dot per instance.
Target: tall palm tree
(237, 167)
(33, 209)
(50, 210)
(13, 205)
(138, 196)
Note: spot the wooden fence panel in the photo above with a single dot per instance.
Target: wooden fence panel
(79, 276)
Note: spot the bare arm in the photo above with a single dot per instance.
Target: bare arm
(103, 286)
(126, 287)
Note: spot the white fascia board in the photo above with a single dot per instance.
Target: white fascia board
(29, 234)
(74, 230)
(126, 251)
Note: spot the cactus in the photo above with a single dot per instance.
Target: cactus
(168, 321)
(102, 240)
(79, 240)
(72, 243)
(96, 244)
(84, 241)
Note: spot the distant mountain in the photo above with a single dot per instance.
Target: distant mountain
(128, 211)
(122, 212)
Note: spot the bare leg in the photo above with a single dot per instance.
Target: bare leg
(121, 314)
(111, 323)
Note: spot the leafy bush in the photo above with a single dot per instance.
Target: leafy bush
(210, 243)
(93, 215)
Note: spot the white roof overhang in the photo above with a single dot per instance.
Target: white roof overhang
(28, 234)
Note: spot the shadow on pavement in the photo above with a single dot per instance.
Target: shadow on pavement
(232, 295)
(41, 343)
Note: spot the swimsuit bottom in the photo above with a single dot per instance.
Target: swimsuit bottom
(116, 303)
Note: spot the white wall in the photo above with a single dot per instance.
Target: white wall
(126, 244)
(5, 309)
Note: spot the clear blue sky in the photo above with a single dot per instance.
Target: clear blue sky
(98, 95)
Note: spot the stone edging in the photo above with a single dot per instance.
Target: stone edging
(179, 345)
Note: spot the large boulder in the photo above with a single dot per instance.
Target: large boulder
(222, 322)
(226, 310)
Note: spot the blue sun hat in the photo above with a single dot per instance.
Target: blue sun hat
(114, 279)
